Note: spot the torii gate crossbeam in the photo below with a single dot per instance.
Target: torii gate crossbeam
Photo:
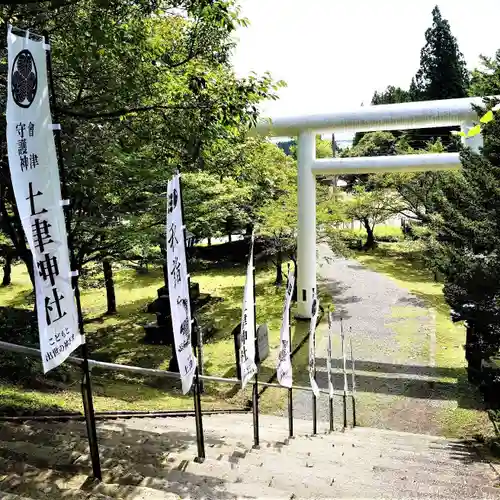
(404, 116)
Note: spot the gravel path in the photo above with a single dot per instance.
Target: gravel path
(393, 335)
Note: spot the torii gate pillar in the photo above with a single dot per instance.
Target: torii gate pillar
(306, 231)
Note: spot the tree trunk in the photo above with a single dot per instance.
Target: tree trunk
(473, 355)
(209, 242)
(7, 269)
(229, 237)
(279, 270)
(27, 257)
(294, 294)
(370, 240)
(110, 286)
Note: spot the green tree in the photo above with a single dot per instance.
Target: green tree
(277, 228)
(143, 88)
(418, 191)
(466, 247)
(370, 144)
(442, 75)
(371, 208)
(391, 95)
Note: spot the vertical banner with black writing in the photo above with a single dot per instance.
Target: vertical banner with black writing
(247, 339)
(35, 180)
(312, 346)
(284, 368)
(178, 288)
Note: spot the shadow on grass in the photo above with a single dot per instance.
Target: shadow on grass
(401, 265)
(404, 385)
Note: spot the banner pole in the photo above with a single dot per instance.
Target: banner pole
(200, 438)
(255, 391)
(344, 372)
(88, 402)
(290, 393)
(353, 383)
(314, 398)
(329, 369)
(315, 410)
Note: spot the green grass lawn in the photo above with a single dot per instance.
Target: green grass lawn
(118, 339)
(398, 261)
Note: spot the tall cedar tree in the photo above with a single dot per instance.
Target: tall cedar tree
(442, 75)
(468, 238)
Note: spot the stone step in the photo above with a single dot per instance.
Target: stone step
(47, 484)
(332, 446)
(336, 458)
(418, 471)
(319, 484)
(71, 461)
(11, 496)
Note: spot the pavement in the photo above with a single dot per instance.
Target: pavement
(393, 332)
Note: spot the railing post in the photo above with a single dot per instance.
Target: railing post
(315, 410)
(344, 370)
(331, 414)
(290, 413)
(255, 411)
(88, 409)
(200, 439)
(354, 423)
(255, 389)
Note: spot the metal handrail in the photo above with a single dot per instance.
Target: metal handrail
(34, 352)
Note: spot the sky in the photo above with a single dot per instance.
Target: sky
(334, 55)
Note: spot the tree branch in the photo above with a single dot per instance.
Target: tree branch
(125, 111)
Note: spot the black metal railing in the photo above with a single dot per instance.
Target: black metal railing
(90, 417)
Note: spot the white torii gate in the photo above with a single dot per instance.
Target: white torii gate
(412, 115)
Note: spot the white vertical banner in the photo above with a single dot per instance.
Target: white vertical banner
(329, 356)
(247, 337)
(35, 180)
(178, 288)
(312, 346)
(284, 367)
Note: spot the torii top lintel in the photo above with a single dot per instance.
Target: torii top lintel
(408, 115)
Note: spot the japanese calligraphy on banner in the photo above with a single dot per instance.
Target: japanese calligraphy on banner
(247, 339)
(35, 180)
(329, 356)
(284, 368)
(312, 346)
(178, 288)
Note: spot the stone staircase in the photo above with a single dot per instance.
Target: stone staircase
(154, 459)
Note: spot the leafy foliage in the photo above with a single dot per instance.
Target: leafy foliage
(442, 75)
(143, 88)
(372, 208)
(465, 249)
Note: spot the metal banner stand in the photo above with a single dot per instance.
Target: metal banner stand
(255, 389)
(353, 385)
(315, 410)
(344, 396)
(200, 438)
(330, 399)
(290, 393)
(86, 384)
